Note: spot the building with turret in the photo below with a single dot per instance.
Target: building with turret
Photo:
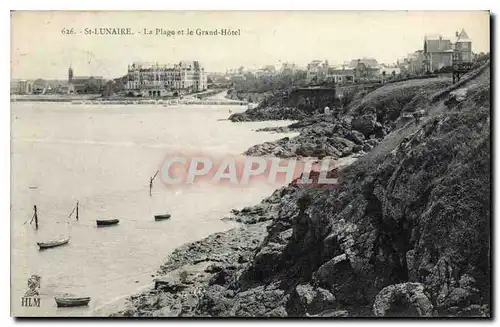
(153, 79)
(440, 52)
(462, 47)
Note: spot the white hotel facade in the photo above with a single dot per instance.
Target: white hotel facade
(153, 79)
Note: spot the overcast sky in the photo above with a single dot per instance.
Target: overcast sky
(40, 50)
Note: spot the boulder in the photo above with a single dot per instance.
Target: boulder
(214, 268)
(357, 148)
(459, 94)
(367, 147)
(260, 301)
(347, 151)
(167, 311)
(215, 302)
(267, 258)
(278, 312)
(373, 142)
(220, 278)
(364, 124)
(355, 136)
(340, 142)
(306, 150)
(314, 300)
(466, 281)
(168, 284)
(406, 299)
(459, 297)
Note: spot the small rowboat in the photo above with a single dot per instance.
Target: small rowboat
(68, 301)
(107, 222)
(162, 217)
(52, 244)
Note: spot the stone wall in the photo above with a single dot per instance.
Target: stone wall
(310, 99)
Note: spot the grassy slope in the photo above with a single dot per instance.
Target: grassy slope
(425, 196)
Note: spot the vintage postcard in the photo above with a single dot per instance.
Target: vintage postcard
(322, 164)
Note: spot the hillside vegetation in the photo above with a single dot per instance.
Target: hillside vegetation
(406, 232)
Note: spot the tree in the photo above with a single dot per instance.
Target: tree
(108, 89)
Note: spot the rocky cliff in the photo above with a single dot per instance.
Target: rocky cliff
(353, 127)
(406, 232)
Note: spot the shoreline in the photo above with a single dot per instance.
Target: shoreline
(202, 96)
(208, 261)
(350, 251)
(129, 101)
(173, 296)
(200, 260)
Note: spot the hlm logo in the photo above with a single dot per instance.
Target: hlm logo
(32, 296)
(30, 301)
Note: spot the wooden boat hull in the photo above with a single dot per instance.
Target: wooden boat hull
(72, 301)
(162, 217)
(107, 222)
(53, 244)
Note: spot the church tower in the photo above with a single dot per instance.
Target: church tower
(70, 75)
(71, 87)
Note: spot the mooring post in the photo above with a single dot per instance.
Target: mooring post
(36, 218)
(76, 210)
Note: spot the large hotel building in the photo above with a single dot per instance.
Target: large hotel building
(152, 79)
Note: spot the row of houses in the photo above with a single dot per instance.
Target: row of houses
(264, 71)
(319, 71)
(437, 53)
(74, 85)
(362, 69)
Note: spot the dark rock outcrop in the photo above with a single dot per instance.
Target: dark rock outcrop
(406, 232)
(393, 221)
(365, 124)
(405, 300)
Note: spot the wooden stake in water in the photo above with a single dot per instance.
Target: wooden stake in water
(77, 210)
(36, 218)
(151, 182)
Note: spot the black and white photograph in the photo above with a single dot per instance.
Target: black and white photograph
(322, 165)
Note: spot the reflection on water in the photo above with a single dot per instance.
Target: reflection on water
(103, 157)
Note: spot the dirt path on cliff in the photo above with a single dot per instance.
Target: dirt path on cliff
(391, 141)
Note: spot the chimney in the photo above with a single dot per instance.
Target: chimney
(456, 33)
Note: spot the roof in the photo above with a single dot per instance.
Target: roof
(145, 66)
(437, 45)
(190, 63)
(463, 37)
(269, 67)
(390, 69)
(340, 71)
(435, 37)
(370, 62)
(86, 77)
